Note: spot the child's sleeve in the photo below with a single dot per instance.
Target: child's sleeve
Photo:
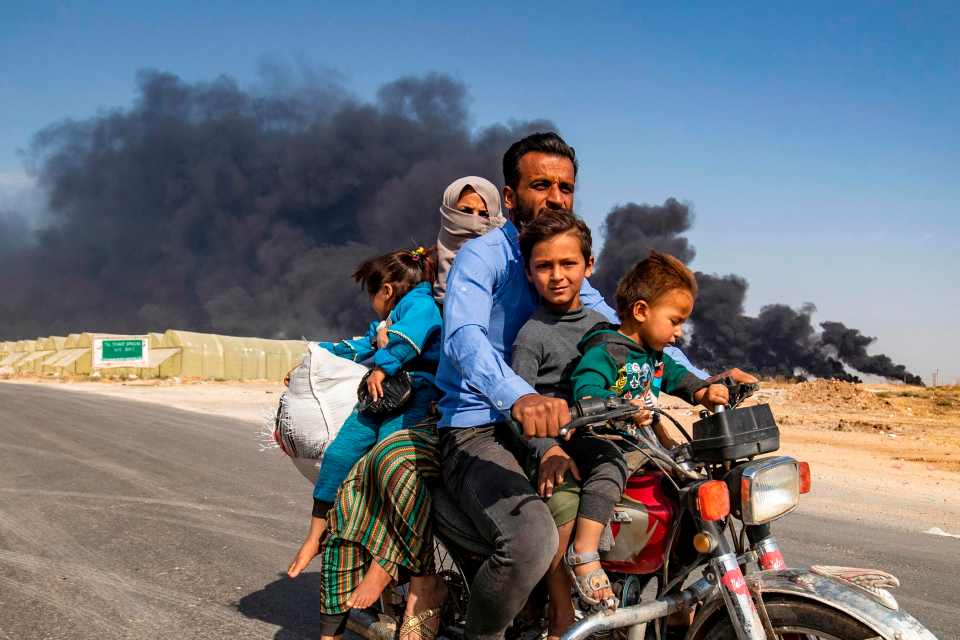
(678, 381)
(356, 349)
(594, 375)
(527, 356)
(415, 322)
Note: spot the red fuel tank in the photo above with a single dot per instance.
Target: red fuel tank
(641, 524)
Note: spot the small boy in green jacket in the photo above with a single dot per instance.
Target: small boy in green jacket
(654, 299)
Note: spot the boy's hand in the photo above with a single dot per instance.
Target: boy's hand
(553, 466)
(375, 384)
(710, 397)
(540, 416)
(642, 418)
(737, 375)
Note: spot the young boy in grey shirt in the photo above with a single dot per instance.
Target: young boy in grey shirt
(557, 255)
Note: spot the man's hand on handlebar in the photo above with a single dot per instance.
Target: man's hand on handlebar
(540, 416)
(712, 396)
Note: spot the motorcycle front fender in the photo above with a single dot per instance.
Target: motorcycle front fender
(856, 602)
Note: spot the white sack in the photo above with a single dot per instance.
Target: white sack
(321, 395)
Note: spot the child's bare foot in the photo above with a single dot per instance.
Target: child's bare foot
(370, 588)
(309, 549)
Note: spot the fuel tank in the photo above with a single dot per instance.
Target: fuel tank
(641, 525)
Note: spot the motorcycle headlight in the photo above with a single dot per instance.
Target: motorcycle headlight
(769, 489)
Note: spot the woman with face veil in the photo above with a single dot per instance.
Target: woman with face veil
(470, 208)
(379, 525)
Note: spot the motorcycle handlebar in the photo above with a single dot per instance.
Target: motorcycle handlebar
(590, 411)
(587, 413)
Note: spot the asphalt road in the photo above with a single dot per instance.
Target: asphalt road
(121, 519)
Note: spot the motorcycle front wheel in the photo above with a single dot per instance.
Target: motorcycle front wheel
(800, 620)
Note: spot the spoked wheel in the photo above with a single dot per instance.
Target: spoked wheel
(801, 620)
(451, 569)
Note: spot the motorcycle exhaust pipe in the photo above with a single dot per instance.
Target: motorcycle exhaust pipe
(640, 613)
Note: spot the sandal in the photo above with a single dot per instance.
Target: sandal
(415, 627)
(590, 583)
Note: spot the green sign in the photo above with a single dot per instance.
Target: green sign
(121, 350)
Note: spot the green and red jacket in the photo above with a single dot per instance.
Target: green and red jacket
(614, 365)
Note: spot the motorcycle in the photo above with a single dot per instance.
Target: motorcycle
(693, 530)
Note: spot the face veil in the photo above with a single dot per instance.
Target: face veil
(456, 227)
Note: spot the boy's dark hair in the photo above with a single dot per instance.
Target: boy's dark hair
(404, 269)
(651, 279)
(552, 223)
(549, 143)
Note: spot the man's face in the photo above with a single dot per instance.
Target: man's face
(661, 324)
(546, 182)
(557, 269)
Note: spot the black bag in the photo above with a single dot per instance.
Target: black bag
(397, 391)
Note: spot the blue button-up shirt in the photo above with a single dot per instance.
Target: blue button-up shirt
(488, 299)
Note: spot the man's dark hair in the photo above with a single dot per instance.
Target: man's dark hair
(549, 143)
(651, 279)
(551, 224)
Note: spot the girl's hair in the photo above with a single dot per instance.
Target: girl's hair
(404, 269)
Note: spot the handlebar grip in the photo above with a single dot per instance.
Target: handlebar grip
(516, 428)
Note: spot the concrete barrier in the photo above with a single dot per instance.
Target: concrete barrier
(174, 353)
(75, 359)
(33, 363)
(204, 355)
(200, 355)
(158, 355)
(10, 355)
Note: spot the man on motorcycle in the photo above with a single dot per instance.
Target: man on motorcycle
(488, 299)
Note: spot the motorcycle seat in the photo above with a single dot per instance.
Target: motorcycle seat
(454, 525)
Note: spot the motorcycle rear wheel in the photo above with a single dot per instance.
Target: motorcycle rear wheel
(452, 568)
(801, 620)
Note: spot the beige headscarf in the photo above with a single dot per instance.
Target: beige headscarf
(456, 227)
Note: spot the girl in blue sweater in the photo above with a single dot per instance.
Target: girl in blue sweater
(409, 328)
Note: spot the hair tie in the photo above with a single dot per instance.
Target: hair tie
(418, 253)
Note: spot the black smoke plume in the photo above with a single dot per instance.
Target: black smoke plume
(851, 346)
(632, 230)
(779, 341)
(208, 207)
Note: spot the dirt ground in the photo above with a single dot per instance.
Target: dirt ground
(886, 454)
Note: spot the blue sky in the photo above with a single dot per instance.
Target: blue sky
(818, 143)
